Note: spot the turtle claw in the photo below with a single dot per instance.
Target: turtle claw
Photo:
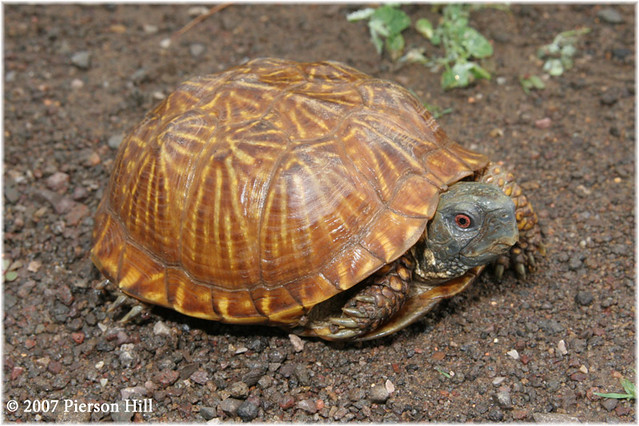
(354, 312)
(102, 285)
(344, 322)
(121, 300)
(365, 298)
(133, 313)
(499, 271)
(343, 334)
(520, 269)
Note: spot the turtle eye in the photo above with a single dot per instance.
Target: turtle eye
(463, 220)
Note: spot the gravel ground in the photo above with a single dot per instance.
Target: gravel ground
(78, 77)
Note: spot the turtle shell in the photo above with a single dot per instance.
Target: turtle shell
(251, 195)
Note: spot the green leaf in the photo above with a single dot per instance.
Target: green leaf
(10, 276)
(458, 76)
(448, 80)
(360, 15)
(395, 20)
(425, 28)
(436, 39)
(568, 51)
(395, 46)
(554, 67)
(531, 82)
(536, 82)
(479, 72)
(629, 387)
(613, 395)
(476, 44)
(443, 373)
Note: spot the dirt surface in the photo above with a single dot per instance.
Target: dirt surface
(533, 350)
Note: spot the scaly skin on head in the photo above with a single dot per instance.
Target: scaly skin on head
(474, 224)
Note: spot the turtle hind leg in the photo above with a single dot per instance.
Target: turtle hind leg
(380, 297)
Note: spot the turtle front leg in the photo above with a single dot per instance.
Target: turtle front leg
(380, 297)
(522, 254)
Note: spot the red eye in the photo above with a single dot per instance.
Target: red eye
(462, 220)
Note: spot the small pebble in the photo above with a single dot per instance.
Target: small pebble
(150, 29)
(230, 406)
(609, 403)
(287, 402)
(159, 328)
(238, 390)
(544, 123)
(165, 43)
(81, 60)
(54, 367)
(498, 380)
(513, 354)
(249, 409)
(378, 394)
(76, 84)
(79, 193)
(308, 406)
(167, 378)
(57, 181)
(78, 212)
(196, 49)
(503, 397)
(208, 413)
(115, 141)
(127, 358)
(610, 16)
(495, 415)
(78, 337)
(197, 10)
(200, 377)
(140, 75)
(16, 372)
(584, 298)
(133, 392)
(561, 347)
(390, 387)
(297, 342)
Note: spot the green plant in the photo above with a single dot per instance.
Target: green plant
(437, 111)
(628, 387)
(443, 372)
(9, 275)
(461, 43)
(558, 54)
(530, 82)
(386, 22)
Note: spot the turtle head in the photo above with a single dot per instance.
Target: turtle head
(473, 225)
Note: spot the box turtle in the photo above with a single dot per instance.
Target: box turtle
(309, 196)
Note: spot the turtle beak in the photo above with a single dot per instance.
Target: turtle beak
(503, 234)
